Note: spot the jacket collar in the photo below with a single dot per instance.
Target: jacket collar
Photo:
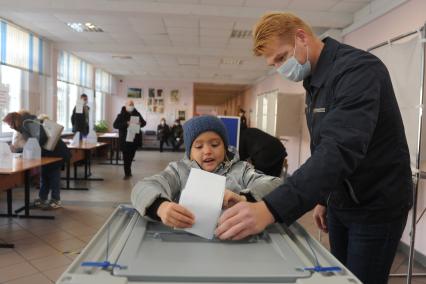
(324, 65)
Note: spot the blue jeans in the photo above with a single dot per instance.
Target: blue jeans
(367, 250)
(50, 180)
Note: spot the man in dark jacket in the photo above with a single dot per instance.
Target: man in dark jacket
(126, 120)
(176, 135)
(163, 132)
(359, 171)
(80, 117)
(264, 151)
(50, 178)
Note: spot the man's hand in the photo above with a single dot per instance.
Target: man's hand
(175, 215)
(242, 220)
(231, 198)
(320, 217)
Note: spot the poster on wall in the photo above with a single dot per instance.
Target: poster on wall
(181, 115)
(159, 93)
(174, 96)
(151, 93)
(135, 93)
(155, 105)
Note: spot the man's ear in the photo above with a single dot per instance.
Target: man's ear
(301, 36)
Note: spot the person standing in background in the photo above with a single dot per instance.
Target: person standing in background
(176, 135)
(80, 117)
(50, 178)
(163, 132)
(243, 119)
(128, 142)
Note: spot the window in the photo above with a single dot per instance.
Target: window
(66, 99)
(266, 112)
(10, 93)
(100, 106)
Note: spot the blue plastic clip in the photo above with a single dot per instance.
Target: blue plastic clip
(323, 269)
(127, 209)
(102, 264)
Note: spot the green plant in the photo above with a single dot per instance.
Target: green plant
(101, 126)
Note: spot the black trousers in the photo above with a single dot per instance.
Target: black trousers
(128, 155)
(162, 141)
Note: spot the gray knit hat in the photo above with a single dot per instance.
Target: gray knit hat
(200, 124)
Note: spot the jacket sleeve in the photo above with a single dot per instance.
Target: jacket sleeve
(165, 184)
(143, 122)
(343, 141)
(120, 122)
(73, 117)
(257, 183)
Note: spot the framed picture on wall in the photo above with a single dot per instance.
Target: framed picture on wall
(174, 96)
(151, 93)
(159, 93)
(181, 115)
(135, 93)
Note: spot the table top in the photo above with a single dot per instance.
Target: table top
(109, 135)
(18, 164)
(83, 145)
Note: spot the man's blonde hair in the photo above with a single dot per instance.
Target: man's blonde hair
(276, 24)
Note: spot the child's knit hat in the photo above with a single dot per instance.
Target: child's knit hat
(200, 124)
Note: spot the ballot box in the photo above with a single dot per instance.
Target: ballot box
(132, 249)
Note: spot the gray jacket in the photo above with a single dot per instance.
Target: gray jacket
(240, 177)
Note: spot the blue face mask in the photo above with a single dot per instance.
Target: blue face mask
(293, 70)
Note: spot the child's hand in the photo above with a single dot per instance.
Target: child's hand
(175, 215)
(231, 198)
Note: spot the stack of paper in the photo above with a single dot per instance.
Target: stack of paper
(133, 128)
(203, 196)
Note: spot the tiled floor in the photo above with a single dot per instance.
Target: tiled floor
(44, 248)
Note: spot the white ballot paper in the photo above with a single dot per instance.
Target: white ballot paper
(203, 196)
(133, 128)
(79, 106)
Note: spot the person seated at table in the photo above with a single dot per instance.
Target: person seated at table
(50, 178)
(176, 136)
(206, 145)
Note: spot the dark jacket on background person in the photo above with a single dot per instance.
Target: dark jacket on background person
(80, 121)
(177, 132)
(163, 132)
(265, 151)
(120, 123)
(360, 162)
(31, 128)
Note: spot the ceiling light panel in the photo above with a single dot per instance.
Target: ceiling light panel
(84, 27)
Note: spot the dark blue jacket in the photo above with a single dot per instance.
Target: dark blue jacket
(360, 163)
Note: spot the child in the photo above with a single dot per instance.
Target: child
(206, 141)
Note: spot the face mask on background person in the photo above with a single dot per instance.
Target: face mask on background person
(130, 108)
(293, 70)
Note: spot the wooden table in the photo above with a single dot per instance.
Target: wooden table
(81, 152)
(112, 139)
(16, 174)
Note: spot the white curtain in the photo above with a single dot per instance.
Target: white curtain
(404, 62)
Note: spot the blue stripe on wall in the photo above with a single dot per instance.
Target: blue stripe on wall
(3, 31)
(40, 56)
(31, 53)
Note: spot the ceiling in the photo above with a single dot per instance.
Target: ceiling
(170, 39)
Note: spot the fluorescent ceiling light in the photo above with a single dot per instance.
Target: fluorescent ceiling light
(84, 27)
(231, 61)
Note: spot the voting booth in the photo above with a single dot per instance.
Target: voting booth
(232, 124)
(130, 249)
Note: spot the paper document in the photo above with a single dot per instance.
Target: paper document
(79, 106)
(132, 130)
(134, 119)
(203, 196)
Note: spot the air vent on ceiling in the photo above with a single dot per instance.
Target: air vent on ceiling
(122, 57)
(241, 34)
(231, 61)
(84, 27)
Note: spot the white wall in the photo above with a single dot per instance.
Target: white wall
(186, 101)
